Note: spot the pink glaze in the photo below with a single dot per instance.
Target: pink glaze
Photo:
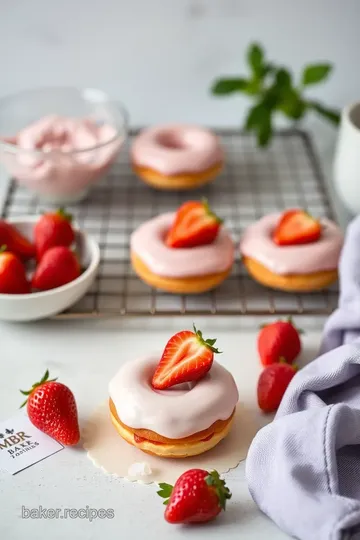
(173, 413)
(257, 244)
(59, 155)
(148, 242)
(175, 149)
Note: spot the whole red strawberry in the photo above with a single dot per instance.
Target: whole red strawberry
(197, 496)
(51, 407)
(12, 274)
(57, 267)
(53, 229)
(272, 385)
(15, 241)
(279, 340)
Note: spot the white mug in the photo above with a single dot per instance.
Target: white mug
(347, 159)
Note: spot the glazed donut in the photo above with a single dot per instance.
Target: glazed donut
(297, 268)
(175, 423)
(180, 271)
(176, 157)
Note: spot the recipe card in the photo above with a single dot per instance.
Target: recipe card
(23, 445)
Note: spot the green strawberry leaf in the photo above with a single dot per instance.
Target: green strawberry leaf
(315, 73)
(209, 343)
(228, 86)
(165, 491)
(213, 479)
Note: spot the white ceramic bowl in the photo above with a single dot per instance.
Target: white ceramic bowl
(40, 305)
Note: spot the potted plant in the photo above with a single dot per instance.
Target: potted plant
(274, 90)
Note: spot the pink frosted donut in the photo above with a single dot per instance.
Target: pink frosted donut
(147, 242)
(322, 255)
(176, 156)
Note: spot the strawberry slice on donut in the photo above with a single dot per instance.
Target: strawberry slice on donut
(187, 357)
(195, 225)
(296, 227)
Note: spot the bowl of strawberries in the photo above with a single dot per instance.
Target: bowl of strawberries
(46, 265)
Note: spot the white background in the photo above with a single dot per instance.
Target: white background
(160, 56)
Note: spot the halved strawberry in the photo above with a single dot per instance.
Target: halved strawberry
(296, 227)
(187, 357)
(195, 225)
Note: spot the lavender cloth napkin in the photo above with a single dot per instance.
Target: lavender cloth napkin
(303, 469)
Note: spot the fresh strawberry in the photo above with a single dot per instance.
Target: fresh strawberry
(279, 340)
(296, 227)
(195, 225)
(57, 267)
(197, 496)
(15, 241)
(187, 357)
(51, 407)
(12, 274)
(272, 384)
(53, 229)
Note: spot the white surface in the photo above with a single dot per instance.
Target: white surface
(33, 306)
(86, 359)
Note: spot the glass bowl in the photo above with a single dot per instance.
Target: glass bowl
(59, 141)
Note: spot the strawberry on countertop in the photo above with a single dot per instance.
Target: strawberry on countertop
(197, 496)
(279, 340)
(187, 357)
(296, 227)
(12, 274)
(15, 241)
(272, 384)
(195, 225)
(51, 407)
(53, 229)
(58, 266)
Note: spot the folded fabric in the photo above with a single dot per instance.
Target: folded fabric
(343, 326)
(303, 469)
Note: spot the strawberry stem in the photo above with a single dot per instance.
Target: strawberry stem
(3, 248)
(209, 343)
(223, 492)
(62, 212)
(209, 212)
(44, 379)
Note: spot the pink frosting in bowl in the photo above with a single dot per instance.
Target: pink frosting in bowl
(61, 156)
(58, 141)
(176, 148)
(257, 243)
(147, 241)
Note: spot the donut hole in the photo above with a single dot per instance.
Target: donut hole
(171, 140)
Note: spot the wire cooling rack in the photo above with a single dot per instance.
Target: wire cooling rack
(253, 183)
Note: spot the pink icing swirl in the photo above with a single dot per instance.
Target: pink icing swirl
(175, 149)
(257, 244)
(147, 241)
(173, 413)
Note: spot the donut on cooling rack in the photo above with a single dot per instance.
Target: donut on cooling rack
(170, 408)
(176, 157)
(187, 252)
(292, 251)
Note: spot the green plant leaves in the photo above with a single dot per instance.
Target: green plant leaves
(255, 58)
(272, 89)
(315, 73)
(228, 86)
(331, 115)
